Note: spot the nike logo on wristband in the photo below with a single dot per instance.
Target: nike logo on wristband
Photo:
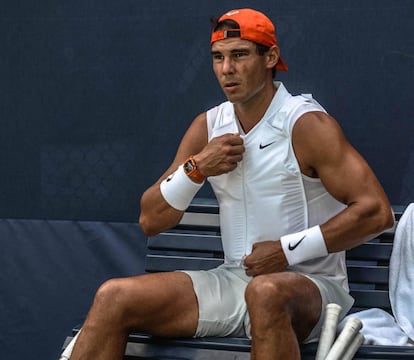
(293, 247)
(265, 145)
(170, 176)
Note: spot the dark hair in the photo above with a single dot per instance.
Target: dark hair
(231, 24)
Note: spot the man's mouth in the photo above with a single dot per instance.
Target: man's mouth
(230, 85)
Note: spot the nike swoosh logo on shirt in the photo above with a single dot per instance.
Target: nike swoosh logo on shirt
(293, 247)
(261, 146)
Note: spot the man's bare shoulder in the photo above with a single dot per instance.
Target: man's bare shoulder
(194, 139)
(198, 125)
(316, 126)
(317, 136)
(201, 118)
(316, 120)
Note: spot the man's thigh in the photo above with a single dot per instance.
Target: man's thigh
(220, 294)
(165, 303)
(331, 292)
(306, 304)
(308, 296)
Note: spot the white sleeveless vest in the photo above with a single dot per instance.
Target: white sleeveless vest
(266, 196)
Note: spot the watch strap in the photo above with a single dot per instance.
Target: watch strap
(191, 170)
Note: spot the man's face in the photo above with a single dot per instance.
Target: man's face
(240, 70)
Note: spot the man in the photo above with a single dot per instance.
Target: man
(293, 195)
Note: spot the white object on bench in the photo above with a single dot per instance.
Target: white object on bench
(66, 354)
(401, 281)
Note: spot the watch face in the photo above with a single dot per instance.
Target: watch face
(188, 167)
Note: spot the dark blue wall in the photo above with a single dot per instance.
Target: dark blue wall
(50, 270)
(95, 95)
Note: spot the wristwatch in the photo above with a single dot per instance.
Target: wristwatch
(191, 170)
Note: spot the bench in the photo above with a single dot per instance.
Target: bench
(195, 244)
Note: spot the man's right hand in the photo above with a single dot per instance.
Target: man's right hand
(220, 155)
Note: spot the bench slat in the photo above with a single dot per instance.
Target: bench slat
(154, 263)
(368, 274)
(200, 221)
(242, 346)
(356, 274)
(185, 242)
(209, 242)
(370, 251)
(366, 299)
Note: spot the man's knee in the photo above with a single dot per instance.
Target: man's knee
(104, 293)
(107, 289)
(112, 294)
(266, 291)
(283, 298)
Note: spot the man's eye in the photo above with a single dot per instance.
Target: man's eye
(217, 57)
(240, 54)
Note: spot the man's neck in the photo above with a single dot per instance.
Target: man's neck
(250, 113)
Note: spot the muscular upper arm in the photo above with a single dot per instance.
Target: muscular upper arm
(323, 151)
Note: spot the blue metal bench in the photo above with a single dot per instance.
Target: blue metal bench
(195, 244)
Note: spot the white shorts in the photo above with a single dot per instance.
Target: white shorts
(223, 310)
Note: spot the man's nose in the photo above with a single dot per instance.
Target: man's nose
(228, 65)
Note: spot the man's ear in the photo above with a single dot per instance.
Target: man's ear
(272, 56)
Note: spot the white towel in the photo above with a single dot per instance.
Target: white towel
(378, 328)
(401, 281)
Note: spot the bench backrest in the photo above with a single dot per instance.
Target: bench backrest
(196, 244)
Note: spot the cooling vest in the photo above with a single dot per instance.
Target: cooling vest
(266, 196)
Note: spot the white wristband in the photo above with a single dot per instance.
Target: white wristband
(304, 245)
(178, 189)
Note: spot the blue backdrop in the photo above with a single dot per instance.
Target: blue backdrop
(94, 97)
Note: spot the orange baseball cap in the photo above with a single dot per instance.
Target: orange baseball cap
(254, 26)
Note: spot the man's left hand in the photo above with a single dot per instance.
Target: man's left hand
(266, 257)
